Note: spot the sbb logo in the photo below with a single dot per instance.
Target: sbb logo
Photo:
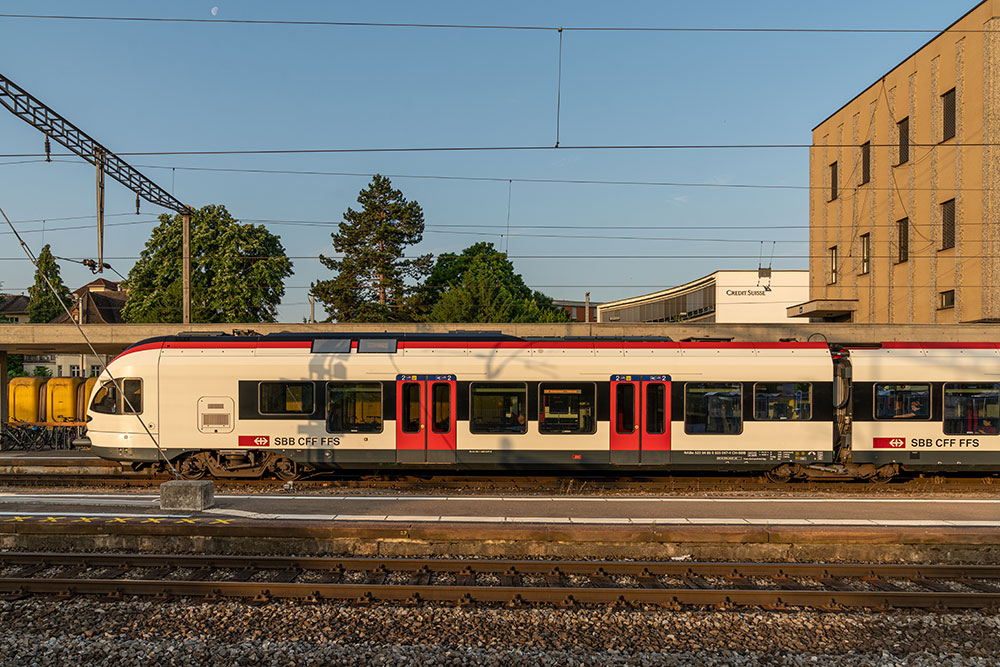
(889, 443)
(255, 441)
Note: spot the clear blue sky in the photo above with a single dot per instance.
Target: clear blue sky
(144, 87)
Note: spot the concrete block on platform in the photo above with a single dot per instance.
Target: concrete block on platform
(189, 495)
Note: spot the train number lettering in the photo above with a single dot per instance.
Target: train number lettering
(945, 442)
(306, 441)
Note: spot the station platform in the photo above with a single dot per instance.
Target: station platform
(55, 462)
(874, 529)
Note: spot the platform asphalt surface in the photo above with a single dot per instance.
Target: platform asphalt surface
(515, 509)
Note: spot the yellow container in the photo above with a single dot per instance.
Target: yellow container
(83, 396)
(26, 399)
(61, 399)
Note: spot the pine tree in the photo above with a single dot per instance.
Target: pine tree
(43, 305)
(371, 281)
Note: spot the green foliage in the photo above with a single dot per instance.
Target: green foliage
(15, 365)
(43, 305)
(489, 291)
(41, 372)
(371, 281)
(237, 271)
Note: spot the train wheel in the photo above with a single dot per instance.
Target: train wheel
(193, 466)
(286, 469)
(884, 474)
(779, 475)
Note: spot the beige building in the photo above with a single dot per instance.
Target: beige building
(904, 206)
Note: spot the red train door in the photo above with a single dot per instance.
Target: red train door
(640, 419)
(425, 418)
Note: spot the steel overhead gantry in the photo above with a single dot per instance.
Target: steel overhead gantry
(32, 111)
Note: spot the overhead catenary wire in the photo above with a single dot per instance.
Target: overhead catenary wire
(104, 368)
(485, 26)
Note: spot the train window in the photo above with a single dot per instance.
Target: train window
(285, 398)
(410, 408)
(441, 407)
(498, 407)
(132, 391)
(354, 407)
(566, 407)
(782, 400)
(971, 408)
(108, 400)
(656, 408)
(713, 408)
(902, 401)
(625, 408)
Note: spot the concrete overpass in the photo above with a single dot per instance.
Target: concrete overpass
(113, 338)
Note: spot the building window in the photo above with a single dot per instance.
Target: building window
(95, 370)
(833, 264)
(866, 162)
(948, 224)
(566, 407)
(74, 371)
(285, 398)
(903, 232)
(866, 249)
(833, 181)
(713, 408)
(903, 128)
(971, 408)
(782, 400)
(354, 407)
(948, 112)
(499, 408)
(947, 299)
(59, 371)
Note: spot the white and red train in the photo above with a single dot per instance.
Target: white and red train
(286, 404)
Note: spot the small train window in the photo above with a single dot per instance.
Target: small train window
(656, 408)
(713, 408)
(902, 401)
(566, 407)
(498, 407)
(109, 401)
(971, 408)
(354, 407)
(782, 400)
(625, 408)
(441, 407)
(409, 407)
(285, 398)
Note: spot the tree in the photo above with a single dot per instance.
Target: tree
(487, 289)
(371, 281)
(43, 305)
(237, 271)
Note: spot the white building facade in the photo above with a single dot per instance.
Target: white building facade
(758, 296)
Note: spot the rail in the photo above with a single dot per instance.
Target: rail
(768, 585)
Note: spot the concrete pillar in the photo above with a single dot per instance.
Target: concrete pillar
(190, 495)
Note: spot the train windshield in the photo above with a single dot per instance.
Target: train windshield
(109, 401)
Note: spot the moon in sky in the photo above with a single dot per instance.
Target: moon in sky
(215, 10)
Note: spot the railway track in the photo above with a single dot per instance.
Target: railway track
(529, 484)
(767, 585)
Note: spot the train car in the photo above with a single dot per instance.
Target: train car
(926, 406)
(287, 404)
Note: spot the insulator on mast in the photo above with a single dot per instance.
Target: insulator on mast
(137, 204)
(48, 149)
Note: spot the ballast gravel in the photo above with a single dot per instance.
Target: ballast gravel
(136, 631)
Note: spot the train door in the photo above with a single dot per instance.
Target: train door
(640, 419)
(425, 418)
